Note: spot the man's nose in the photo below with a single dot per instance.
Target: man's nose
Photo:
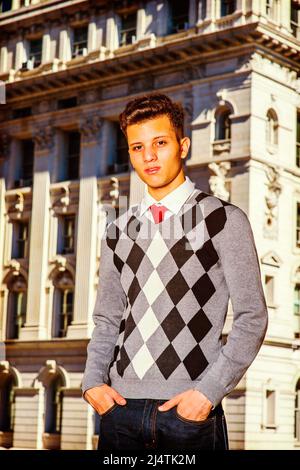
(149, 154)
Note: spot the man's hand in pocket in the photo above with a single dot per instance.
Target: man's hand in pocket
(103, 397)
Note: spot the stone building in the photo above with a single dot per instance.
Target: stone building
(69, 68)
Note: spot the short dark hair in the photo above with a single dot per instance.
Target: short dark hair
(151, 106)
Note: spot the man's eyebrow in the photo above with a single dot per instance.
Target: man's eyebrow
(157, 137)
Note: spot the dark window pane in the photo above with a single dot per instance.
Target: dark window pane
(128, 29)
(35, 51)
(227, 7)
(179, 16)
(80, 41)
(5, 5)
(67, 103)
(21, 112)
(73, 155)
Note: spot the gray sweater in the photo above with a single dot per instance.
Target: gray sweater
(162, 301)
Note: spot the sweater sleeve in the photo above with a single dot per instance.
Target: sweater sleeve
(240, 263)
(107, 314)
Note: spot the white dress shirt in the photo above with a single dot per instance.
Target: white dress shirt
(172, 201)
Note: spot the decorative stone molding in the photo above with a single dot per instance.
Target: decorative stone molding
(221, 147)
(44, 138)
(115, 192)
(274, 189)
(90, 127)
(60, 263)
(147, 41)
(64, 198)
(142, 84)
(218, 184)
(14, 267)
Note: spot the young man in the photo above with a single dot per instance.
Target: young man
(157, 369)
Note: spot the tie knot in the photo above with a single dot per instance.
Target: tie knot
(158, 212)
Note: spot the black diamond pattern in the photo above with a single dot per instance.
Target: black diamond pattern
(135, 257)
(173, 324)
(203, 289)
(207, 255)
(195, 362)
(168, 361)
(181, 251)
(177, 287)
(133, 290)
(129, 327)
(124, 361)
(215, 221)
(199, 325)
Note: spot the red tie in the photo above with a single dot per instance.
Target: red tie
(158, 212)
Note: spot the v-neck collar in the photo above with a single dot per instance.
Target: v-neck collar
(190, 199)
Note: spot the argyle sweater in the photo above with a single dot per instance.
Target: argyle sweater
(162, 301)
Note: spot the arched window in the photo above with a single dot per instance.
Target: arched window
(223, 124)
(297, 413)
(272, 128)
(17, 301)
(53, 406)
(62, 304)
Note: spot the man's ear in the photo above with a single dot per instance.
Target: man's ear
(185, 143)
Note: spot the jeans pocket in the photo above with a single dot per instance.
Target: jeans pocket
(204, 422)
(112, 408)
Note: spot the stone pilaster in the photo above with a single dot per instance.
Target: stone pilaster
(35, 326)
(81, 326)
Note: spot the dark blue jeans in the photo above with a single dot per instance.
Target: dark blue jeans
(139, 425)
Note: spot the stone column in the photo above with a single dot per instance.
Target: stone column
(84, 298)
(28, 424)
(35, 327)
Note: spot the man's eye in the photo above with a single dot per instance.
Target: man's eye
(137, 147)
(161, 142)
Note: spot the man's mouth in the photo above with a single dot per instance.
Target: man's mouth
(153, 170)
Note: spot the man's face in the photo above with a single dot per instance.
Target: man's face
(153, 143)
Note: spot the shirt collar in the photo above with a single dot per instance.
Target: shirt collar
(172, 201)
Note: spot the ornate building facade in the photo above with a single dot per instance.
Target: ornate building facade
(69, 69)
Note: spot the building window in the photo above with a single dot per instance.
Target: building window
(295, 10)
(271, 404)
(179, 16)
(66, 235)
(298, 140)
(223, 124)
(228, 7)
(119, 157)
(17, 301)
(7, 403)
(73, 155)
(298, 225)
(26, 164)
(62, 305)
(35, 51)
(272, 128)
(5, 5)
(53, 406)
(20, 243)
(297, 413)
(269, 286)
(80, 41)
(21, 112)
(67, 103)
(127, 33)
